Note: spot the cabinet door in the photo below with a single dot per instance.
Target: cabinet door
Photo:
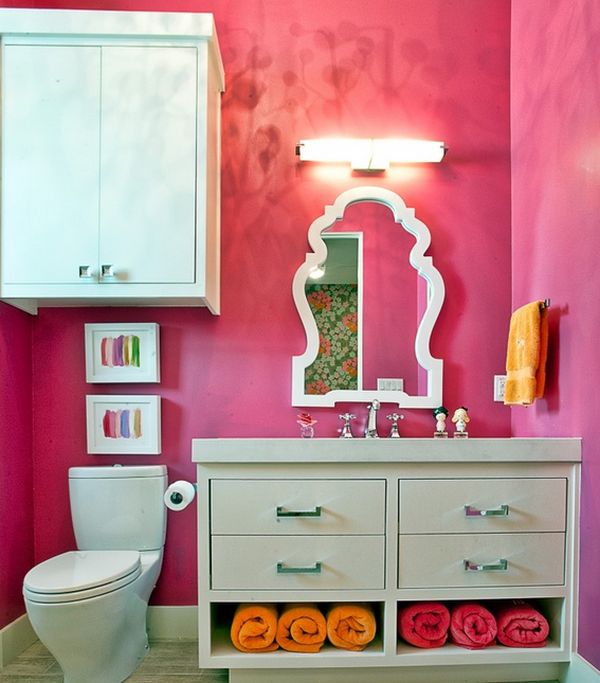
(50, 157)
(148, 163)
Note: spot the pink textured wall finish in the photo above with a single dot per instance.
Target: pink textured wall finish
(424, 68)
(556, 245)
(16, 491)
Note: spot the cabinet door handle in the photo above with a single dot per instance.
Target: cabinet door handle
(500, 566)
(107, 270)
(283, 569)
(86, 272)
(501, 511)
(316, 512)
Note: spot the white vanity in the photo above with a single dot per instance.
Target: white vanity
(385, 522)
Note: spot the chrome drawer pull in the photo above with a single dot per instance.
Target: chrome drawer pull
(282, 569)
(281, 512)
(500, 566)
(501, 511)
(86, 272)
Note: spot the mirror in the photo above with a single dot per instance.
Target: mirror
(368, 298)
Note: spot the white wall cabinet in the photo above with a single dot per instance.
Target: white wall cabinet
(387, 522)
(110, 158)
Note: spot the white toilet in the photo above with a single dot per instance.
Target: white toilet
(89, 606)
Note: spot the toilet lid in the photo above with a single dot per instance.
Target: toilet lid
(81, 574)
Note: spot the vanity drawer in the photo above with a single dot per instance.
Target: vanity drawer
(438, 505)
(297, 506)
(438, 561)
(311, 563)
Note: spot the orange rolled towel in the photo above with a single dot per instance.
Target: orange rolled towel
(301, 628)
(254, 628)
(351, 627)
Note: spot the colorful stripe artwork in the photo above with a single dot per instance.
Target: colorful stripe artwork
(122, 424)
(123, 351)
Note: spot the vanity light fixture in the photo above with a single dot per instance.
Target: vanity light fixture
(370, 154)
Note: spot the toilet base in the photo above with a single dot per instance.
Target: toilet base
(100, 640)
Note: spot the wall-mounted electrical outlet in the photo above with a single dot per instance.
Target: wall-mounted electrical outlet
(499, 382)
(390, 384)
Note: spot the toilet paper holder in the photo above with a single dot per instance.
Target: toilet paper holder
(180, 494)
(177, 497)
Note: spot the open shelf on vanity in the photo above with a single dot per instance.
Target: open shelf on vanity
(223, 652)
(221, 645)
(553, 609)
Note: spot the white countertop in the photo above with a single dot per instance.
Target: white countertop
(297, 450)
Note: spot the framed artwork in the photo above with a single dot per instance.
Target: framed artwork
(123, 424)
(122, 352)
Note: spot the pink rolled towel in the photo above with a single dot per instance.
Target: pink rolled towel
(521, 625)
(424, 624)
(472, 626)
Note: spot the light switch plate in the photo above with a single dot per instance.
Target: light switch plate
(390, 384)
(499, 382)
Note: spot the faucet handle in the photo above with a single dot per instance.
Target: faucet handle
(346, 430)
(394, 417)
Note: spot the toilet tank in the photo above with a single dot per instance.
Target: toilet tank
(118, 507)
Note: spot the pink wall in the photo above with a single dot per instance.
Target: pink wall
(423, 68)
(16, 493)
(556, 203)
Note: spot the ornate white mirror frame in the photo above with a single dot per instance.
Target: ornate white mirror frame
(435, 297)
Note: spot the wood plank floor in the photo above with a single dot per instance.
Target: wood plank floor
(167, 662)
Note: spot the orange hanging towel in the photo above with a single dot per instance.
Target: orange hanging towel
(526, 354)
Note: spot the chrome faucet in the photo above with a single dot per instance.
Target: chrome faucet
(371, 428)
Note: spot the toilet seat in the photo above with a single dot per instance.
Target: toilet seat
(81, 574)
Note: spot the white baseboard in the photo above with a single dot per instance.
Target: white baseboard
(172, 623)
(581, 671)
(14, 639)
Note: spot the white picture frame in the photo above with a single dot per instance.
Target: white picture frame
(127, 425)
(122, 352)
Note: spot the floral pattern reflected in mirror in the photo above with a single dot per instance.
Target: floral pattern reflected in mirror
(334, 307)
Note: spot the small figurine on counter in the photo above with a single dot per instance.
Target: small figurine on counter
(440, 413)
(461, 418)
(394, 417)
(307, 423)
(346, 430)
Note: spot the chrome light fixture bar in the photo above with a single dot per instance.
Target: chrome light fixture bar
(370, 154)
